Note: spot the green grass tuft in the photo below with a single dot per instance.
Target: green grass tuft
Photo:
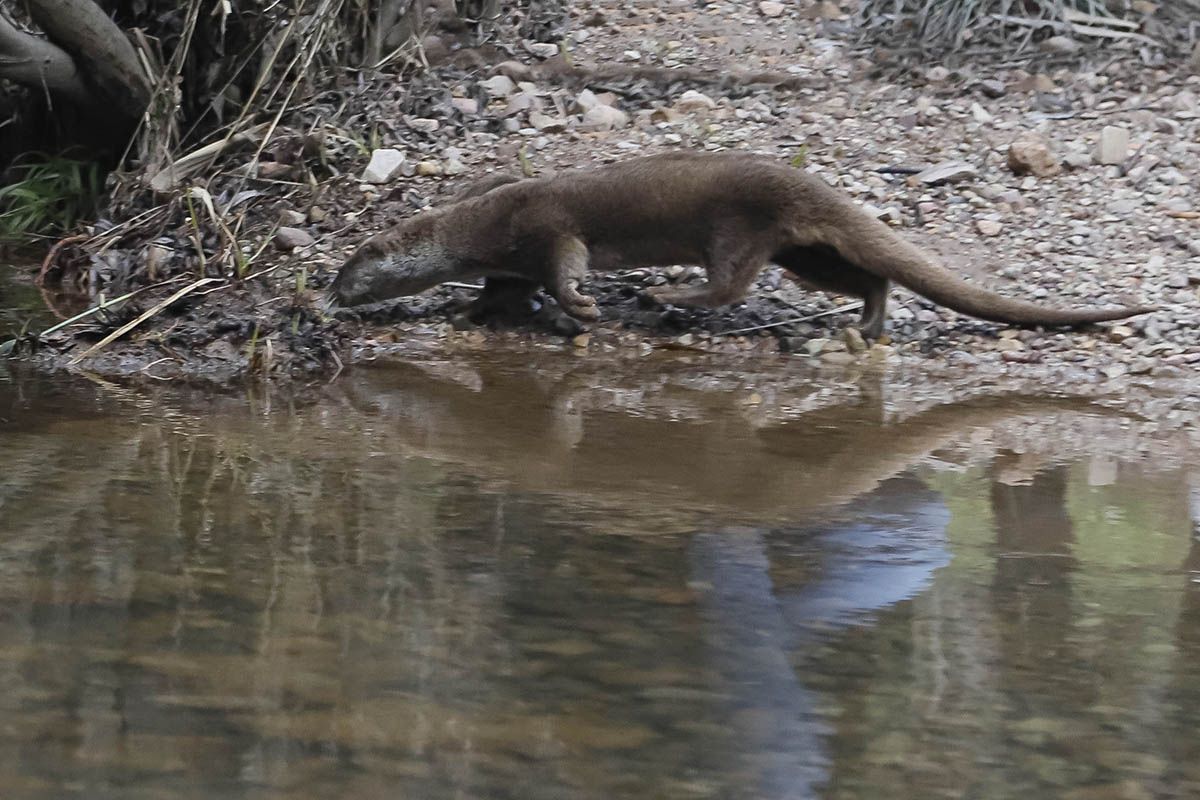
(47, 195)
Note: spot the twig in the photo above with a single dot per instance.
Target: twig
(127, 327)
(48, 261)
(781, 323)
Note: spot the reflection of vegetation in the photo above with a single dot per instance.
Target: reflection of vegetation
(999, 681)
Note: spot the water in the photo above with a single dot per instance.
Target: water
(477, 579)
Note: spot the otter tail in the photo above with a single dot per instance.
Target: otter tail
(875, 248)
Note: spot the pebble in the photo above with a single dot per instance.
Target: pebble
(770, 8)
(947, 172)
(854, 340)
(989, 227)
(288, 238)
(1032, 157)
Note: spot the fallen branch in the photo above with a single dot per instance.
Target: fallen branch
(31, 61)
(83, 29)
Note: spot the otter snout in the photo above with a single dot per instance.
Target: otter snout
(380, 270)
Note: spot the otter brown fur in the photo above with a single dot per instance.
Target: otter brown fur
(731, 213)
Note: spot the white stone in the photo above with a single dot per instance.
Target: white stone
(691, 100)
(384, 165)
(1114, 145)
(499, 86)
(542, 49)
(604, 118)
(770, 8)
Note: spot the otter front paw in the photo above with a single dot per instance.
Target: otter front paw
(584, 308)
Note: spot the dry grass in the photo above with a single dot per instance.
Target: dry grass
(957, 30)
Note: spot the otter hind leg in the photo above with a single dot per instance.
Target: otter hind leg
(825, 269)
(733, 263)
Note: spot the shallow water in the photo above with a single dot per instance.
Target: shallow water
(475, 579)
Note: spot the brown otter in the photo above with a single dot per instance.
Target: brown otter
(731, 213)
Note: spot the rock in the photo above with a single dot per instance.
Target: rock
(541, 49)
(288, 239)
(316, 214)
(1060, 44)
(770, 8)
(466, 105)
(521, 101)
(292, 217)
(1114, 145)
(980, 114)
(826, 9)
(1010, 345)
(814, 346)
(586, 100)
(428, 168)
(947, 172)
(691, 100)
(989, 227)
(499, 86)
(546, 123)
(1141, 366)
(454, 167)
(1178, 280)
(854, 340)
(604, 118)
(1032, 157)
(1077, 160)
(1194, 61)
(423, 124)
(1119, 333)
(384, 165)
(992, 88)
(938, 74)
(582, 340)
(837, 359)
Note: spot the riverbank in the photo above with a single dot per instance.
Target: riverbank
(1097, 220)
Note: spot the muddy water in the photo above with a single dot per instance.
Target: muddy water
(472, 579)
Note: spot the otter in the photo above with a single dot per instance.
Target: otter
(731, 213)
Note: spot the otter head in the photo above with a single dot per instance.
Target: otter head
(396, 263)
